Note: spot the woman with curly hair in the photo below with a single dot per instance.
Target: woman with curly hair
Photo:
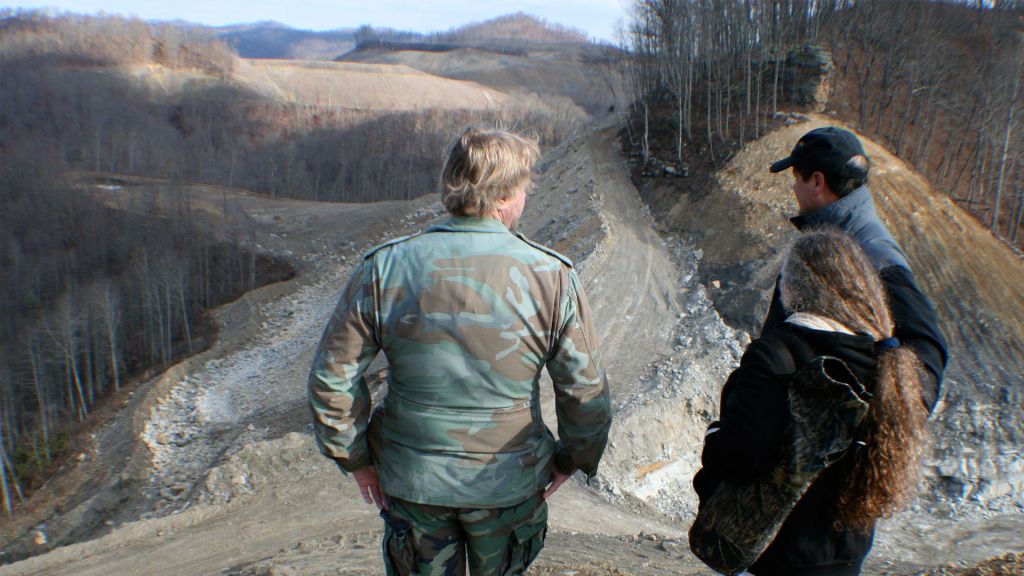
(839, 309)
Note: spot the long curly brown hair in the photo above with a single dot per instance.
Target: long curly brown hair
(826, 273)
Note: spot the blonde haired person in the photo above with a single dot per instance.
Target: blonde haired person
(838, 307)
(485, 168)
(468, 313)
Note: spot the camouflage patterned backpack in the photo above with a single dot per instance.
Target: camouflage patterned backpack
(734, 526)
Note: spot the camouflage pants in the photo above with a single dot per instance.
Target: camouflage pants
(436, 540)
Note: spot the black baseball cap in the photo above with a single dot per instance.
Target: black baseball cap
(827, 150)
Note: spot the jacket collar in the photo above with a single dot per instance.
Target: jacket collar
(855, 205)
(469, 224)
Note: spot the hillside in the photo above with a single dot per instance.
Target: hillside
(274, 40)
(584, 73)
(220, 444)
(79, 92)
(330, 86)
(377, 87)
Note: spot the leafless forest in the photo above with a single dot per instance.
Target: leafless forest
(939, 82)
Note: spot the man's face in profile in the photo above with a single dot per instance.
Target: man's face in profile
(805, 192)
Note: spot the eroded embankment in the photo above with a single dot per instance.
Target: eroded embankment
(663, 344)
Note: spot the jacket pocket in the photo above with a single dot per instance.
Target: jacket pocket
(524, 546)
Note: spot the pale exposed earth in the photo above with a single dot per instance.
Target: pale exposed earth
(210, 468)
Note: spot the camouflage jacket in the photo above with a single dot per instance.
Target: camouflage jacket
(468, 315)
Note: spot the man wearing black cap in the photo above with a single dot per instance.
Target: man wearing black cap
(830, 175)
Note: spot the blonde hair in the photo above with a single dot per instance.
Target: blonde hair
(483, 167)
(827, 273)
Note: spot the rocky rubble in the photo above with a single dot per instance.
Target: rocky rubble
(234, 400)
(219, 409)
(659, 427)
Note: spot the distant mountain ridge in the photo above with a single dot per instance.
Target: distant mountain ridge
(269, 39)
(275, 40)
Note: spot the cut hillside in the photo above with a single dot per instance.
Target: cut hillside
(975, 281)
(335, 86)
(584, 73)
(361, 86)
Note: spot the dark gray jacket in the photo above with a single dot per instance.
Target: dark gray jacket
(916, 322)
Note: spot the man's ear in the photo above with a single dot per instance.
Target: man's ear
(819, 182)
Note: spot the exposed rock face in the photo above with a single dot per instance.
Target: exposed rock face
(664, 346)
(807, 75)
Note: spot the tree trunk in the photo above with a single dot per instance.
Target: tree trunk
(8, 481)
(1002, 162)
(41, 401)
(1020, 213)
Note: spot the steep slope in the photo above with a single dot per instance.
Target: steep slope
(665, 348)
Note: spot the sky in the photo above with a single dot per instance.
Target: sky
(598, 18)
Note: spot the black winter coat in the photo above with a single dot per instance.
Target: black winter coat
(749, 439)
